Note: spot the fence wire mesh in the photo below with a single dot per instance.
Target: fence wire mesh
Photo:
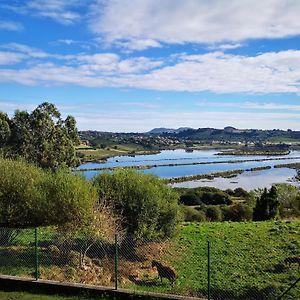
(224, 270)
(17, 252)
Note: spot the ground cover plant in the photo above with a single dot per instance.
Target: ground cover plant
(247, 260)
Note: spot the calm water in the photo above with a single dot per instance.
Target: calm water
(180, 156)
(247, 180)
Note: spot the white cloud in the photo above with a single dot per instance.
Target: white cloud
(225, 47)
(21, 48)
(139, 44)
(271, 72)
(250, 105)
(12, 26)
(9, 58)
(60, 11)
(194, 21)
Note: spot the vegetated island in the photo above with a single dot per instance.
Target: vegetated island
(255, 152)
(211, 176)
(144, 167)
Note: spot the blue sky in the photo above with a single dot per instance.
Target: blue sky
(131, 65)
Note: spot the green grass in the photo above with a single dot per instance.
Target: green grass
(10, 295)
(246, 260)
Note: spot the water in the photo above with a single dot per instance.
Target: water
(266, 177)
(246, 180)
(174, 157)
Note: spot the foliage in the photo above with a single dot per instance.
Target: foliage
(214, 213)
(215, 198)
(30, 196)
(204, 195)
(267, 205)
(190, 198)
(240, 192)
(193, 215)
(289, 200)
(41, 137)
(148, 206)
(237, 212)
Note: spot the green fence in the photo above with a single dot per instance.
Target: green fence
(214, 269)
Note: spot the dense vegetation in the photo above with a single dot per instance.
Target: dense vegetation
(149, 208)
(41, 137)
(30, 196)
(210, 204)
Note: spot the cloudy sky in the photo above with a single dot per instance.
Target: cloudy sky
(131, 65)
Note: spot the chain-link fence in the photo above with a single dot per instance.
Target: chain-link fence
(212, 267)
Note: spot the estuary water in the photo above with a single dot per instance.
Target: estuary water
(211, 164)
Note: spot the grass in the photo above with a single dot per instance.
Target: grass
(11, 295)
(246, 261)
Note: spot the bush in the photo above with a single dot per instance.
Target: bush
(239, 192)
(215, 198)
(289, 200)
(148, 206)
(190, 199)
(214, 213)
(192, 215)
(32, 197)
(238, 212)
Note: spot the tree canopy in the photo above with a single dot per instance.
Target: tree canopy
(267, 205)
(41, 137)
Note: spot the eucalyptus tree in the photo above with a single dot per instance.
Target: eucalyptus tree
(42, 137)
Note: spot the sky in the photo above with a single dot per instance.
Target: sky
(132, 65)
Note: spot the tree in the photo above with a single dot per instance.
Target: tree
(267, 205)
(190, 198)
(4, 128)
(289, 200)
(32, 197)
(41, 137)
(149, 207)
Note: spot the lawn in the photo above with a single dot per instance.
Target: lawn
(9, 295)
(246, 260)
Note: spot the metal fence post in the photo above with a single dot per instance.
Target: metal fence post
(36, 254)
(116, 261)
(208, 270)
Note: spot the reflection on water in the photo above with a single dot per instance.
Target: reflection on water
(246, 180)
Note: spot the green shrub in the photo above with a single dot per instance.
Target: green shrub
(214, 213)
(289, 200)
(148, 206)
(215, 198)
(237, 212)
(240, 192)
(193, 215)
(30, 196)
(190, 199)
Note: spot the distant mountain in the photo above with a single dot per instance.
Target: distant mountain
(168, 130)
